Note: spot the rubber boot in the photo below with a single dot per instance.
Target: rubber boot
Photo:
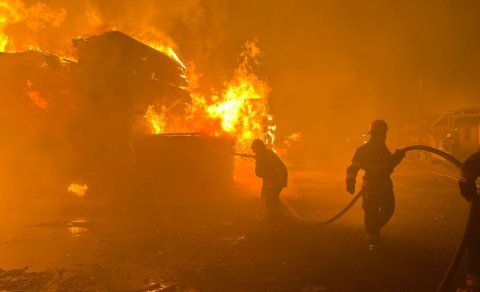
(373, 241)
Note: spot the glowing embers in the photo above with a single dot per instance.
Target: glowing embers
(35, 97)
(78, 227)
(78, 189)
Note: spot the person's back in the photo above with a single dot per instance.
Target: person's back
(375, 159)
(271, 169)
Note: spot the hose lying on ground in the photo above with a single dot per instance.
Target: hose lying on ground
(448, 276)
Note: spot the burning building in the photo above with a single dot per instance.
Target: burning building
(96, 121)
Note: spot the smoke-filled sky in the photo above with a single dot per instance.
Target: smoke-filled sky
(333, 65)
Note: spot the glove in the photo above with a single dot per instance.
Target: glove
(467, 189)
(351, 186)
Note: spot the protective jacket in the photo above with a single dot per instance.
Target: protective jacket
(378, 162)
(470, 172)
(271, 169)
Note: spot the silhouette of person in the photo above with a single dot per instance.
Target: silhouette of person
(450, 144)
(376, 160)
(468, 189)
(274, 173)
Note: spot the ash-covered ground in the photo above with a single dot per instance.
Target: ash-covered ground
(220, 242)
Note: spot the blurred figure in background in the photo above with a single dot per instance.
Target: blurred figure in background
(451, 145)
(376, 160)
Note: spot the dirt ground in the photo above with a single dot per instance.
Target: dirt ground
(220, 242)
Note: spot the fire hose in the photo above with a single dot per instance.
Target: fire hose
(448, 276)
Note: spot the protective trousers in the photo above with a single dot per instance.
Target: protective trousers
(270, 197)
(473, 242)
(379, 205)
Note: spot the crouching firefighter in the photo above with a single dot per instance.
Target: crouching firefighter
(274, 173)
(378, 162)
(468, 189)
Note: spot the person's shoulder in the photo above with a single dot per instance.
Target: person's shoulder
(270, 152)
(363, 150)
(364, 147)
(475, 157)
(472, 164)
(476, 154)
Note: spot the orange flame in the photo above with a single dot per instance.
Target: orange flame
(240, 110)
(34, 18)
(77, 189)
(156, 122)
(167, 50)
(9, 13)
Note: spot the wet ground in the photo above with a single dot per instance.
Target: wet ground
(221, 242)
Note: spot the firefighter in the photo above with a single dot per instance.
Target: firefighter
(274, 173)
(376, 160)
(468, 189)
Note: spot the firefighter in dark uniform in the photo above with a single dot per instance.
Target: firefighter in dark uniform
(376, 160)
(274, 173)
(468, 189)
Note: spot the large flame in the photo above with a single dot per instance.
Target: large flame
(157, 123)
(30, 18)
(240, 109)
(9, 13)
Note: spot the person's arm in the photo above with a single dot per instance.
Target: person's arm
(352, 172)
(397, 157)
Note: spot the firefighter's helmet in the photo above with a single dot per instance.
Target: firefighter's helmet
(257, 144)
(378, 127)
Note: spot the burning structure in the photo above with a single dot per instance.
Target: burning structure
(113, 114)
